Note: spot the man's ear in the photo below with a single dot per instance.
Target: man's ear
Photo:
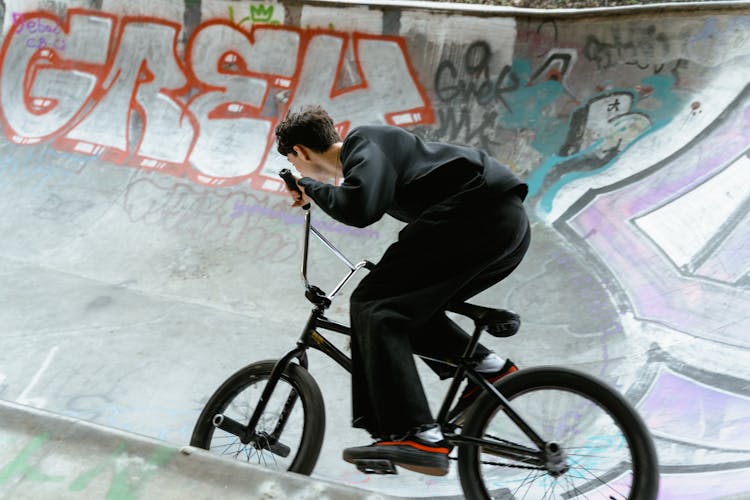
(302, 152)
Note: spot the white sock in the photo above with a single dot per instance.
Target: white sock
(491, 363)
(432, 435)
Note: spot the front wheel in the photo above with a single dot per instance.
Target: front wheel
(296, 401)
(607, 448)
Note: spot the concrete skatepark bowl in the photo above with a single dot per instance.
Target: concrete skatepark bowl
(147, 250)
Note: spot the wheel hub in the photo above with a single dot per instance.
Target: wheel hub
(555, 459)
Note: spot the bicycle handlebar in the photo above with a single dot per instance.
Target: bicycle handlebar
(288, 178)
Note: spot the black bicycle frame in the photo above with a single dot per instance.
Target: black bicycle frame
(311, 338)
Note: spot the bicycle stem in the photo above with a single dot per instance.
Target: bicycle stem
(353, 268)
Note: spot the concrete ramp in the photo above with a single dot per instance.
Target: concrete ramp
(60, 457)
(147, 252)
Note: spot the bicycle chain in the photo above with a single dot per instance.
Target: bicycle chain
(508, 465)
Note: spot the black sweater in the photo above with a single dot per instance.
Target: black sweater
(384, 171)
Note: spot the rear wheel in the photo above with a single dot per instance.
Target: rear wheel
(296, 396)
(607, 450)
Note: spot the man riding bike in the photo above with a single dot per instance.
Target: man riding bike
(466, 231)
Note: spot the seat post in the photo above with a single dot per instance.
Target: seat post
(472, 345)
(464, 363)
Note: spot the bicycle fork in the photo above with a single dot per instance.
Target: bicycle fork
(247, 433)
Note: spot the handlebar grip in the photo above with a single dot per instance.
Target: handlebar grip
(288, 178)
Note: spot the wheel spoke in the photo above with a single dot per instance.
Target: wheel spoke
(528, 480)
(604, 483)
(226, 447)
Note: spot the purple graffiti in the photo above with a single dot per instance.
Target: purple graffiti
(682, 409)
(241, 209)
(658, 289)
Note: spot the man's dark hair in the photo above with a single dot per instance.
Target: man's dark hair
(311, 126)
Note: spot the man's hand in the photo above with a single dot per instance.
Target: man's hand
(298, 195)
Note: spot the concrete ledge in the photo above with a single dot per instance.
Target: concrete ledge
(45, 455)
(495, 10)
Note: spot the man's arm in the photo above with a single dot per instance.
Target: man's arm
(368, 188)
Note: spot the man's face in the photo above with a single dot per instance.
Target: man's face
(306, 167)
(299, 164)
(293, 159)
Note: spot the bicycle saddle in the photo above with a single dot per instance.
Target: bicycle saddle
(497, 322)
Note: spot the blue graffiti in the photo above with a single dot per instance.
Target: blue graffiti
(583, 163)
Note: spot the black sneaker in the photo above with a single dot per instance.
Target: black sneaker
(472, 391)
(410, 453)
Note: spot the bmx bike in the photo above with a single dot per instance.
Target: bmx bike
(539, 433)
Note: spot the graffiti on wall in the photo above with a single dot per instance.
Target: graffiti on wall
(209, 116)
(570, 137)
(196, 115)
(38, 34)
(690, 234)
(129, 474)
(670, 242)
(226, 218)
(256, 14)
(673, 239)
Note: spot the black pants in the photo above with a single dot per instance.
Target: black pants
(453, 251)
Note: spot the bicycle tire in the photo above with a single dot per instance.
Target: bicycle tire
(523, 390)
(253, 378)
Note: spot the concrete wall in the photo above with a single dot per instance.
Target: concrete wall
(144, 234)
(60, 457)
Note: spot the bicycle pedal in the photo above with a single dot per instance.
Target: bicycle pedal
(376, 466)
